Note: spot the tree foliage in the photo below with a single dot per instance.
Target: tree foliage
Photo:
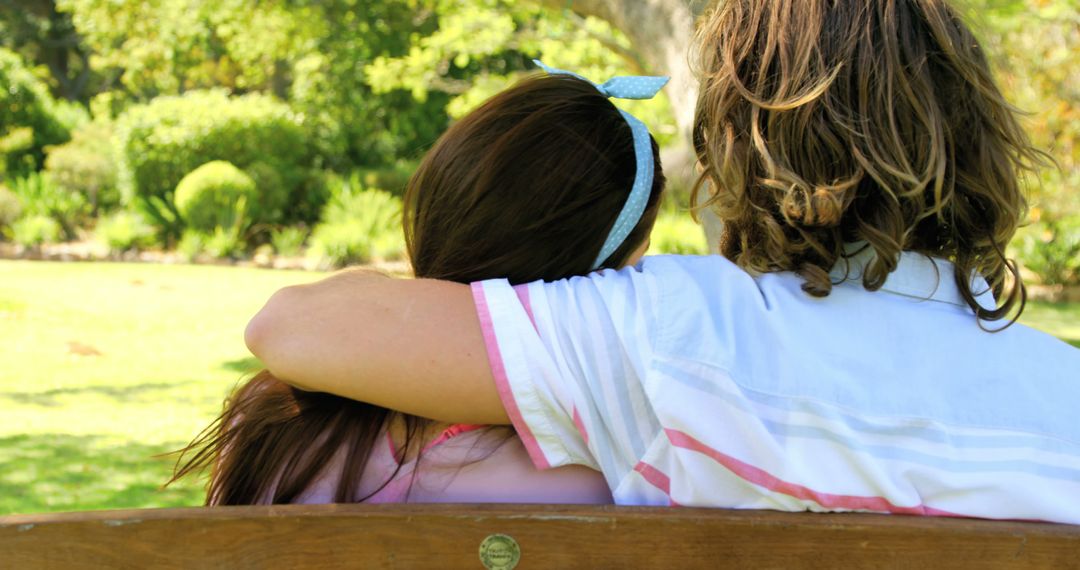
(30, 118)
(370, 84)
(479, 47)
(309, 53)
(1033, 45)
(40, 32)
(159, 143)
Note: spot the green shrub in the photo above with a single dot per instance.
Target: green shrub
(191, 245)
(86, 165)
(216, 195)
(224, 243)
(10, 209)
(161, 142)
(677, 233)
(393, 178)
(39, 196)
(125, 231)
(14, 141)
(25, 103)
(35, 230)
(271, 192)
(288, 241)
(1050, 248)
(358, 226)
(349, 123)
(71, 115)
(306, 203)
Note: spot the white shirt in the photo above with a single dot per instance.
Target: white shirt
(687, 381)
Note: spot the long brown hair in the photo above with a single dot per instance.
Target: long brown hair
(823, 122)
(526, 188)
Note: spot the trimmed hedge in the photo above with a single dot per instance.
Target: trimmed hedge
(216, 195)
(161, 142)
(26, 102)
(86, 165)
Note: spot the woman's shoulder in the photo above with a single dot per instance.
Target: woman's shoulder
(657, 277)
(491, 465)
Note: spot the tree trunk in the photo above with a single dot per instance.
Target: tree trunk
(661, 33)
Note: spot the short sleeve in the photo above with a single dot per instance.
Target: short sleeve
(570, 359)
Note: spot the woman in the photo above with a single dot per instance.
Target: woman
(533, 185)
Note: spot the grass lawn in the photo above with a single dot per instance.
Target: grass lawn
(103, 366)
(1062, 321)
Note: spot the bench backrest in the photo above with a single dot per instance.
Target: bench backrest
(543, 536)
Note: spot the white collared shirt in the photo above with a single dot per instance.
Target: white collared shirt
(687, 381)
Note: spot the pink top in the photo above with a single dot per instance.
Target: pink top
(465, 464)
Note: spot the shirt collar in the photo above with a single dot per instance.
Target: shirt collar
(916, 275)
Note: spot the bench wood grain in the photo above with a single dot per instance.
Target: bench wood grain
(550, 536)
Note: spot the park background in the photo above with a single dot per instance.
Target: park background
(184, 146)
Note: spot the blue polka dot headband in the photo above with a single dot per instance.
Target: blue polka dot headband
(630, 87)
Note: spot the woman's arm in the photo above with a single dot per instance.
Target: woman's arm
(410, 345)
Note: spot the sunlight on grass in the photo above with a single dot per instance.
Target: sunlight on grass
(106, 366)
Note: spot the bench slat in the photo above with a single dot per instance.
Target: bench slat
(550, 536)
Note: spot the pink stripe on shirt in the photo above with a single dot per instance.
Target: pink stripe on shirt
(526, 302)
(765, 479)
(502, 383)
(656, 478)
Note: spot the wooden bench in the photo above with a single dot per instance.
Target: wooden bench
(548, 536)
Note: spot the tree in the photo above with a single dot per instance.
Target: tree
(310, 53)
(1033, 45)
(41, 33)
(479, 44)
(30, 118)
(661, 32)
(478, 47)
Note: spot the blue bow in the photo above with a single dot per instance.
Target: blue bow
(627, 87)
(624, 87)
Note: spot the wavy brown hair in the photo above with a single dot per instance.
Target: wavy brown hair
(825, 122)
(525, 188)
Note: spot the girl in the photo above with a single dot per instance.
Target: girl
(865, 166)
(544, 181)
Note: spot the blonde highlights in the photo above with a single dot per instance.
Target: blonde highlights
(824, 122)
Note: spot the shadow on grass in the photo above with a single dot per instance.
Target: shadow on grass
(148, 391)
(249, 365)
(67, 473)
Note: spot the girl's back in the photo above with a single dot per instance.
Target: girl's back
(463, 464)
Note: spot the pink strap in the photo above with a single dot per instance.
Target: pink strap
(446, 435)
(452, 432)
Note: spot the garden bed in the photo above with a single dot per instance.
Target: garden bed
(84, 251)
(94, 251)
